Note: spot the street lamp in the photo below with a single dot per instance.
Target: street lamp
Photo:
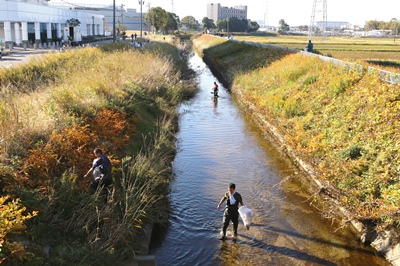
(141, 2)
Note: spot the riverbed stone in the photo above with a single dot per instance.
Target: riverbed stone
(383, 244)
(393, 255)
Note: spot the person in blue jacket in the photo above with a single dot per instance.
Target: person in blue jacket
(310, 46)
(101, 168)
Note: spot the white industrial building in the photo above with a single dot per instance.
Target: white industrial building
(129, 17)
(24, 22)
(217, 12)
(333, 25)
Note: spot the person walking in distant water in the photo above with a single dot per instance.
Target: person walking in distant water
(231, 212)
(215, 89)
(310, 46)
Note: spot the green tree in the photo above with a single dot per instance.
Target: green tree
(237, 25)
(283, 27)
(172, 23)
(190, 23)
(303, 28)
(208, 24)
(253, 26)
(222, 25)
(73, 22)
(234, 24)
(157, 17)
(372, 25)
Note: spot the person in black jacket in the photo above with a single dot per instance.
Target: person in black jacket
(231, 212)
(101, 168)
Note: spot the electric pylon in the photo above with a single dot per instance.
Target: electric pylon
(266, 16)
(316, 8)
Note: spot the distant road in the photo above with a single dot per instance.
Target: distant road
(20, 56)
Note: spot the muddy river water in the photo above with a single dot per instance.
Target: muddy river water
(217, 144)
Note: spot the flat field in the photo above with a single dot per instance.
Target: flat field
(344, 48)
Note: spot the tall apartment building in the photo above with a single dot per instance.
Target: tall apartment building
(217, 12)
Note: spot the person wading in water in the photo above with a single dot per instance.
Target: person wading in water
(231, 212)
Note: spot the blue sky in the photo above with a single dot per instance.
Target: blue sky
(294, 12)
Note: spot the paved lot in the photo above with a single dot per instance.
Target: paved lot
(19, 56)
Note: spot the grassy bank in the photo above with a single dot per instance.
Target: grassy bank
(341, 123)
(54, 112)
(230, 59)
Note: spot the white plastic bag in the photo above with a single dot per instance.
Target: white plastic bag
(246, 214)
(96, 173)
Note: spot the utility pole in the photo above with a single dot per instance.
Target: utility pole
(141, 2)
(148, 17)
(113, 20)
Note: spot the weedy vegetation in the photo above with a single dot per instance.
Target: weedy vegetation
(53, 112)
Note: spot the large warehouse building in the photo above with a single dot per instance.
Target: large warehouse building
(24, 22)
(129, 17)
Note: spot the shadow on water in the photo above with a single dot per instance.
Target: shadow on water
(228, 248)
(315, 239)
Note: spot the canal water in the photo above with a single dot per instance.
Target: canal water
(217, 144)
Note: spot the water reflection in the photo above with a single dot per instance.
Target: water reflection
(218, 145)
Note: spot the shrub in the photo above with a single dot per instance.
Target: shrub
(12, 217)
(93, 99)
(353, 152)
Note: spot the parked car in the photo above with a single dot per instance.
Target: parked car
(0, 53)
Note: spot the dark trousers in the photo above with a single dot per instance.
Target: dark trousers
(230, 214)
(102, 183)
